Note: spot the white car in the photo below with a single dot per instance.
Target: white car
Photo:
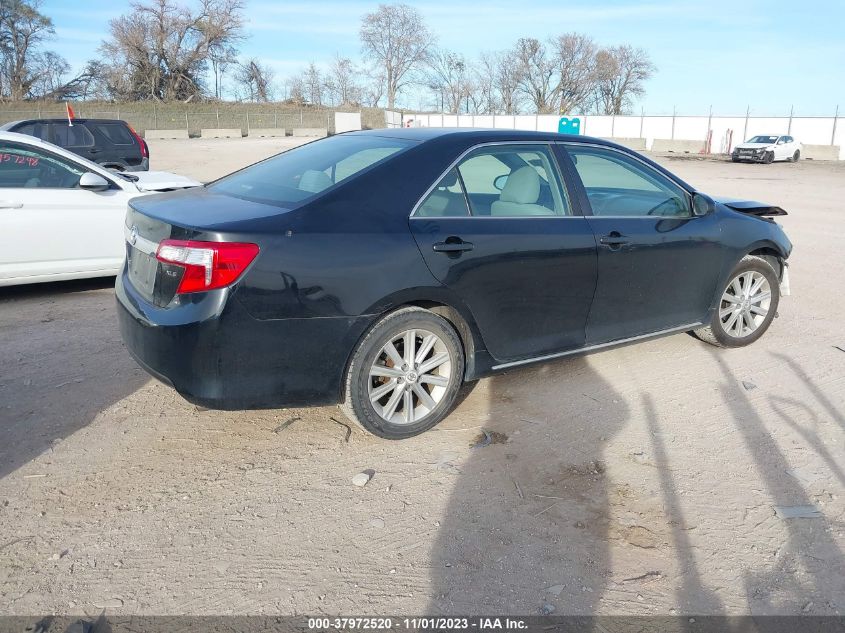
(62, 216)
(767, 149)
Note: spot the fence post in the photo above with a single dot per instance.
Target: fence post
(217, 112)
(155, 115)
(674, 112)
(789, 127)
(247, 122)
(536, 122)
(612, 126)
(707, 140)
(835, 117)
(275, 119)
(642, 116)
(187, 126)
(118, 112)
(745, 129)
(328, 125)
(300, 118)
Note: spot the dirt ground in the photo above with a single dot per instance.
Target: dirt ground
(637, 481)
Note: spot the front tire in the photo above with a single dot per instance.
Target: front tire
(746, 307)
(769, 158)
(404, 375)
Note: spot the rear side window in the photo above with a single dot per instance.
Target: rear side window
(116, 133)
(65, 135)
(38, 130)
(298, 174)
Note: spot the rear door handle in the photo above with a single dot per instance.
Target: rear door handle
(614, 239)
(453, 247)
(10, 204)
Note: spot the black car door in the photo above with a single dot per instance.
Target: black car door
(498, 230)
(658, 263)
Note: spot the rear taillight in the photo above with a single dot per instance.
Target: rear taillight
(144, 152)
(207, 265)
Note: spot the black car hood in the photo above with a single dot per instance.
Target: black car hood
(751, 207)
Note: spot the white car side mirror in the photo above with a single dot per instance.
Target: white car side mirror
(93, 182)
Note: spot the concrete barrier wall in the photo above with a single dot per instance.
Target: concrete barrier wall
(163, 134)
(310, 131)
(821, 152)
(725, 131)
(214, 132)
(677, 146)
(267, 132)
(636, 144)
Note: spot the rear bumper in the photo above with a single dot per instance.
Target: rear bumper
(216, 355)
(143, 166)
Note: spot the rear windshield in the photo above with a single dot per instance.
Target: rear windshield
(298, 174)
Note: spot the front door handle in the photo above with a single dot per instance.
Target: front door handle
(614, 240)
(10, 204)
(453, 246)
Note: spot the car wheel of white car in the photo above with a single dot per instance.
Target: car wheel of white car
(795, 156)
(769, 158)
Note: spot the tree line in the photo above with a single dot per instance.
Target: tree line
(167, 50)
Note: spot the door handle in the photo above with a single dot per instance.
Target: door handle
(456, 246)
(10, 204)
(614, 240)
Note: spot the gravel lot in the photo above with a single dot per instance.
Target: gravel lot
(637, 481)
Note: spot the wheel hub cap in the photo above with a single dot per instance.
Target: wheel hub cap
(745, 304)
(410, 376)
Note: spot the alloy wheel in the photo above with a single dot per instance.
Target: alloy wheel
(745, 304)
(409, 376)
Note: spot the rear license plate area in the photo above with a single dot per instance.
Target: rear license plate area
(142, 270)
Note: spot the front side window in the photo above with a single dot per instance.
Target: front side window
(294, 176)
(65, 135)
(24, 167)
(620, 185)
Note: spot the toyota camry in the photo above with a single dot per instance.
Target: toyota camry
(381, 270)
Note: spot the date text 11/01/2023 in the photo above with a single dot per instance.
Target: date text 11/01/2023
(415, 624)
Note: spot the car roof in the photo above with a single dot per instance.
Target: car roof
(63, 120)
(478, 135)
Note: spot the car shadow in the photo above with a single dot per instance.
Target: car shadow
(527, 524)
(63, 363)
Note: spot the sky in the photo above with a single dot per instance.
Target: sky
(771, 55)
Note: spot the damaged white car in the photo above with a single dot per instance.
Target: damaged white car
(767, 149)
(62, 216)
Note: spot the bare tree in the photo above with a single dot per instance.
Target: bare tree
(161, 48)
(396, 37)
(221, 55)
(620, 74)
(575, 56)
(313, 84)
(341, 82)
(373, 90)
(483, 94)
(448, 77)
(508, 75)
(23, 30)
(536, 73)
(256, 80)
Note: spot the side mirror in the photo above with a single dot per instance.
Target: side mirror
(702, 204)
(500, 181)
(93, 182)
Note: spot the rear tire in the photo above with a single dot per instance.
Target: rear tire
(404, 375)
(795, 156)
(747, 305)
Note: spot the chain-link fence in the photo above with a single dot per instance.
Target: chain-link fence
(194, 118)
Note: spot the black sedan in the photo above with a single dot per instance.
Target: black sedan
(381, 270)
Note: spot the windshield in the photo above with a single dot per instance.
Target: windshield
(764, 139)
(289, 178)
